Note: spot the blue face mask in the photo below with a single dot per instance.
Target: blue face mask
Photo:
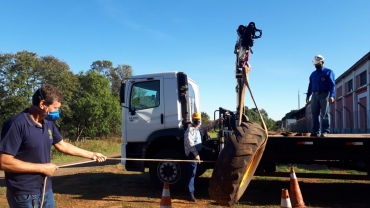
(53, 116)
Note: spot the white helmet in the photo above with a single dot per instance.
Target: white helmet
(317, 59)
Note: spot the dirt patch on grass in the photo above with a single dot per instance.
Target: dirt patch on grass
(111, 186)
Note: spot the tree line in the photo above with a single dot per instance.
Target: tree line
(91, 99)
(253, 116)
(91, 103)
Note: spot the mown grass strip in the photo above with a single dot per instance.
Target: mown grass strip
(104, 146)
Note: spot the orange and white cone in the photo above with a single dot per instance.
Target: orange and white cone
(295, 191)
(285, 200)
(166, 198)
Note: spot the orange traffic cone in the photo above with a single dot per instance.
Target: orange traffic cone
(166, 198)
(285, 201)
(295, 191)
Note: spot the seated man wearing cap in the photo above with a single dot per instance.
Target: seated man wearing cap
(322, 88)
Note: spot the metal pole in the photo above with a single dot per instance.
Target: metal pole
(349, 113)
(340, 118)
(331, 118)
(365, 116)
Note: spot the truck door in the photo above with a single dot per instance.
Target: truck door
(146, 108)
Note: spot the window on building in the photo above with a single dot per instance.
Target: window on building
(363, 80)
(350, 86)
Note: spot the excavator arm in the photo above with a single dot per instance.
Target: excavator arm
(243, 49)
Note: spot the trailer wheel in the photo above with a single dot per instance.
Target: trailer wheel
(237, 163)
(172, 172)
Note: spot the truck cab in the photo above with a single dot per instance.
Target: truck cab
(156, 111)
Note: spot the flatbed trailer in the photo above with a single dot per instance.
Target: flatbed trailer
(347, 151)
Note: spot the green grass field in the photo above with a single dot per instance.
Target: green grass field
(104, 146)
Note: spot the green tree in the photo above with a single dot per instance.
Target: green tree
(205, 118)
(117, 75)
(289, 115)
(18, 79)
(270, 124)
(114, 74)
(102, 67)
(23, 73)
(254, 116)
(56, 72)
(95, 108)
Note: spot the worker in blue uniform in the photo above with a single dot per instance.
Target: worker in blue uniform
(322, 88)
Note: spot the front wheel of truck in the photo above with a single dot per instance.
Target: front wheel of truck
(172, 172)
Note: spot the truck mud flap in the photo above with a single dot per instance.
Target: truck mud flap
(237, 163)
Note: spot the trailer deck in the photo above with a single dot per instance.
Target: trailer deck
(329, 136)
(348, 151)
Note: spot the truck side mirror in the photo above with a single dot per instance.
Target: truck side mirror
(132, 110)
(122, 92)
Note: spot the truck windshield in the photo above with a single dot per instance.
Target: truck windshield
(145, 95)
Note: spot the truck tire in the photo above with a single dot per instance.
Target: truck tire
(172, 172)
(237, 163)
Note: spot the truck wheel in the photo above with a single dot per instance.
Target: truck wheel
(237, 163)
(172, 172)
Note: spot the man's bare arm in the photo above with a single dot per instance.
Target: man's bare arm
(10, 164)
(70, 149)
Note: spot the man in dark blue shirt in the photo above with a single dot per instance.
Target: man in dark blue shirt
(25, 146)
(322, 88)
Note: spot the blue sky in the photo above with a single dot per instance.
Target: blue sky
(197, 37)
